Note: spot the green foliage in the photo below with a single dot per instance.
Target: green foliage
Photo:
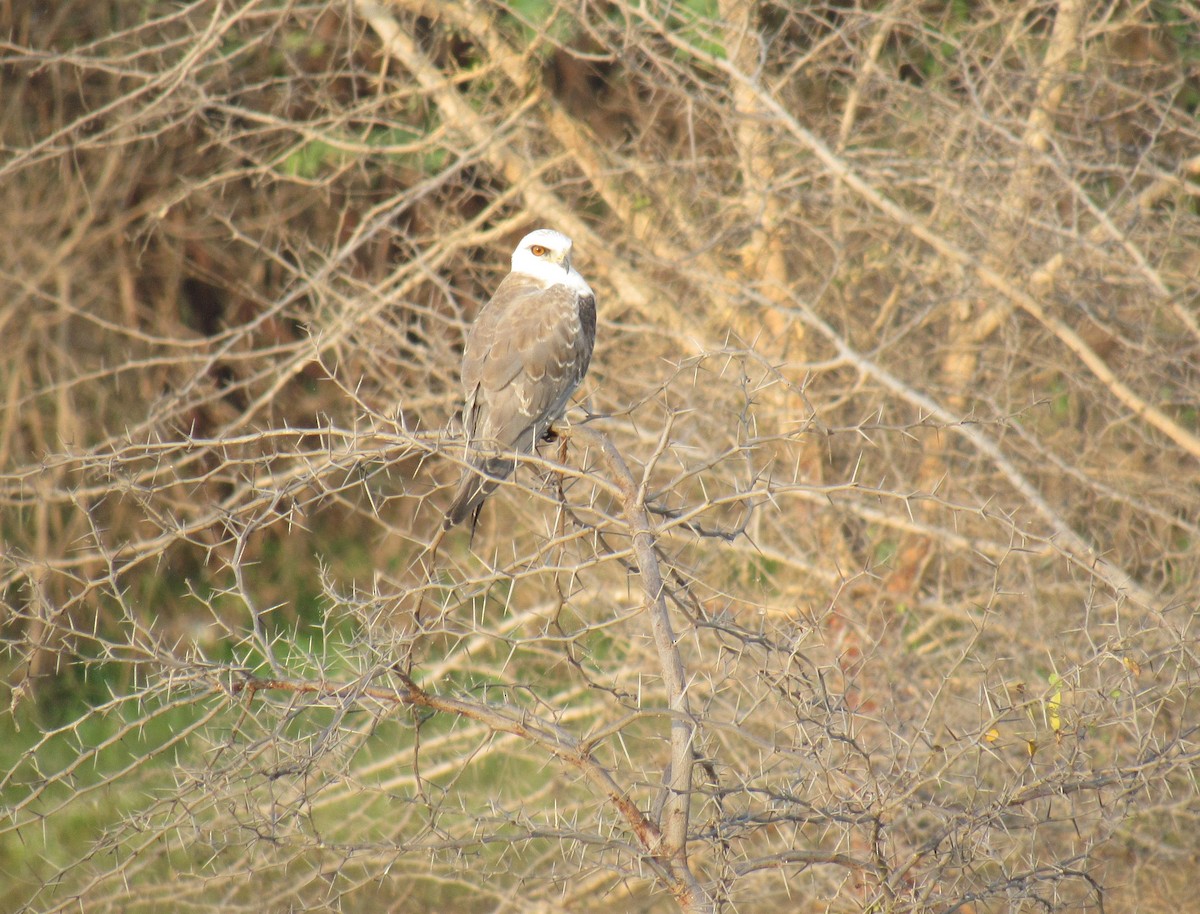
(532, 18)
(398, 145)
(310, 159)
(1180, 20)
(699, 22)
(72, 783)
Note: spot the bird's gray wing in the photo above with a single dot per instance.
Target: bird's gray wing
(536, 356)
(481, 344)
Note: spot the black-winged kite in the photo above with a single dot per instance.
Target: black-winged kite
(526, 353)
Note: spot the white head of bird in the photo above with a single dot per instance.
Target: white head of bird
(546, 256)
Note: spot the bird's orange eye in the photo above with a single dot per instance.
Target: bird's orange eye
(537, 250)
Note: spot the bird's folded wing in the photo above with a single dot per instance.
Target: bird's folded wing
(533, 360)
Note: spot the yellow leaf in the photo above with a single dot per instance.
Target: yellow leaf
(1132, 665)
(992, 735)
(1053, 703)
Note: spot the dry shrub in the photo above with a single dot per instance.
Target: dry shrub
(866, 580)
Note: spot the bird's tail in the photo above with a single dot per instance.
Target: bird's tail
(479, 481)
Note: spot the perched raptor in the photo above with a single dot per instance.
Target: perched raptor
(525, 355)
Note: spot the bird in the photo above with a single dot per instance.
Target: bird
(524, 357)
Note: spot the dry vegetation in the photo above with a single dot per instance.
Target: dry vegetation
(867, 579)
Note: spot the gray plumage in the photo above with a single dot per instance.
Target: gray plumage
(526, 354)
